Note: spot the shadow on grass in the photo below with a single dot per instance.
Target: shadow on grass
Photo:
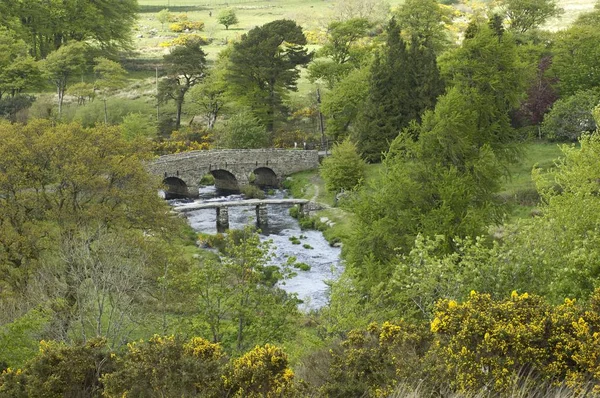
(153, 9)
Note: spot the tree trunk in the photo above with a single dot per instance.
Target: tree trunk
(178, 117)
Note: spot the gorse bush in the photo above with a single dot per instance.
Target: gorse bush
(503, 347)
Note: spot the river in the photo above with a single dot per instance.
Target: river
(324, 260)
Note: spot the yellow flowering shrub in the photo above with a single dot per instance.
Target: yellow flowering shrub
(486, 343)
(372, 362)
(261, 372)
(59, 370)
(165, 366)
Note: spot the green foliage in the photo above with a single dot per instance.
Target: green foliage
(227, 17)
(571, 117)
(244, 130)
(11, 108)
(344, 170)
(342, 51)
(403, 84)
(66, 194)
(252, 192)
(526, 15)
(263, 68)
(117, 110)
(208, 97)
(163, 16)
(236, 296)
(61, 65)
(19, 339)
(443, 183)
(138, 126)
(302, 266)
(48, 26)
(574, 62)
(424, 20)
(185, 67)
(341, 105)
(18, 71)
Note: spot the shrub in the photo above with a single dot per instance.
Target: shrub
(182, 26)
(262, 372)
(344, 169)
(252, 192)
(571, 116)
(166, 366)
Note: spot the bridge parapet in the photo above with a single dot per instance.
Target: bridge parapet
(233, 167)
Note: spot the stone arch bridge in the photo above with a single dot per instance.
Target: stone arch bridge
(231, 168)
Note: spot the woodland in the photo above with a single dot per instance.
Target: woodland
(462, 182)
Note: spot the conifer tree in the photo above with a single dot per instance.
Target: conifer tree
(385, 112)
(404, 82)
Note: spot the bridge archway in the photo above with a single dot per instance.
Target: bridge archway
(175, 188)
(225, 180)
(265, 177)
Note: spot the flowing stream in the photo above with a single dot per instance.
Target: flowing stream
(324, 260)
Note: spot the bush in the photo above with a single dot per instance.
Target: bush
(245, 131)
(118, 109)
(11, 107)
(252, 192)
(344, 169)
(182, 26)
(571, 116)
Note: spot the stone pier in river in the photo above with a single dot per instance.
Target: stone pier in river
(262, 215)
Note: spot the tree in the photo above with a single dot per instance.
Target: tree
(18, 71)
(342, 104)
(61, 65)
(57, 184)
(237, 297)
(344, 170)
(574, 62)
(342, 53)
(227, 17)
(541, 95)
(444, 182)
(209, 97)
(571, 117)
(185, 67)
(244, 130)
(376, 11)
(110, 76)
(423, 21)
(47, 26)
(402, 86)
(524, 15)
(263, 67)
(163, 17)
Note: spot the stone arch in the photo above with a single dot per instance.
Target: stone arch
(175, 188)
(265, 177)
(225, 180)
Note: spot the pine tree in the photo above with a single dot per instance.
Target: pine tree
(385, 113)
(405, 81)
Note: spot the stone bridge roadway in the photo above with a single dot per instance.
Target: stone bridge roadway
(231, 168)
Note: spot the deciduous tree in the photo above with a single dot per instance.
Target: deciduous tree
(227, 17)
(61, 65)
